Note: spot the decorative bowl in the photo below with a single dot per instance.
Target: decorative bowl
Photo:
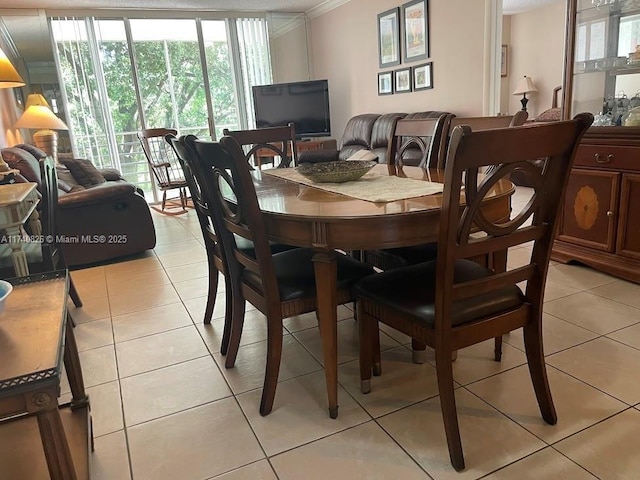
(5, 289)
(335, 172)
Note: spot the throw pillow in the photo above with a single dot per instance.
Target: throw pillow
(66, 182)
(84, 172)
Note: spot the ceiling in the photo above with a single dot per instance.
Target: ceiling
(509, 6)
(30, 33)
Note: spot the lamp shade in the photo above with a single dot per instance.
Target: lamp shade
(9, 76)
(40, 117)
(525, 85)
(36, 99)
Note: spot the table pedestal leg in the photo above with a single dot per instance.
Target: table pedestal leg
(18, 256)
(324, 263)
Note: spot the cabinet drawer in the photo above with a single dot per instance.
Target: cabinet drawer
(608, 156)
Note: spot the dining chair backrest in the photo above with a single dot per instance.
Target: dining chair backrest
(423, 134)
(466, 232)
(478, 124)
(279, 141)
(228, 185)
(51, 252)
(160, 156)
(200, 204)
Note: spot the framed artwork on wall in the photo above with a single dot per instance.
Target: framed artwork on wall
(385, 83)
(504, 54)
(415, 22)
(402, 80)
(389, 38)
(423, 76)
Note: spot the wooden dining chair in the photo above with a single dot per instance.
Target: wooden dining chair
(452, 303)
(164, 165)
(420, 137)
(403, 256)
(480, 123)
(279, 285)
(215, 258)
(271, 142)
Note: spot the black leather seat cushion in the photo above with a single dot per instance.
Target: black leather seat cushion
(296, 276)
(411, 255)
(247, 246)
(411, 290)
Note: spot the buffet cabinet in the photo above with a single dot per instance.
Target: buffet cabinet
(600, 218)
(600, 221)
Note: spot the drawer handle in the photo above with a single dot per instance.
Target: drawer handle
(610, 213)
(600, 158)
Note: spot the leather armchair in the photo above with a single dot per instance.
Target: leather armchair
(102, 222)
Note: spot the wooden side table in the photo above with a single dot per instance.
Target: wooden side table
(39, 438)
(17, 205)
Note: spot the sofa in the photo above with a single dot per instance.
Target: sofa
(371, 131)
(103, 220)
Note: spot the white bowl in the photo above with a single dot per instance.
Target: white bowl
(5, 289)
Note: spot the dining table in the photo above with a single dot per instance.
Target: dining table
(304, 215)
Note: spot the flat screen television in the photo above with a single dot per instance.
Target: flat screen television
(306, 104)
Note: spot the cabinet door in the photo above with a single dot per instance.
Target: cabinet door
(628, 243)
(589, 210)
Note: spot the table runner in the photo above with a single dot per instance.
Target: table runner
(372, 187)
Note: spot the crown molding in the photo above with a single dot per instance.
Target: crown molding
(324, 8)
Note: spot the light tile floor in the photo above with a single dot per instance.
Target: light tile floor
(164, 406)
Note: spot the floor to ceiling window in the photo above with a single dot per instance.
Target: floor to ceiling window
(123, 74)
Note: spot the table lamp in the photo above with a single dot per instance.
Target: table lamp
(525, 85)
(9, 78)
(38, 115)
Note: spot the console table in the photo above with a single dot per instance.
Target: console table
(39, 438)
(264, 155)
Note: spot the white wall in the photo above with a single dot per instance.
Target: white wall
(344, 49)
(536, 49)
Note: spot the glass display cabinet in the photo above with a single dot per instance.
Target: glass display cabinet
(601, 209)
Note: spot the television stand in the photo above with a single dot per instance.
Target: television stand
(264, 155)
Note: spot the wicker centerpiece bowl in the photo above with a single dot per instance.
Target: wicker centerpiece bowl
(335, 172)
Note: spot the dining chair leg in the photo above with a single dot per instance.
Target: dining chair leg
(73, 293)
(377, 362)
(365, 334)
(535, 360)
(497, 349)
(228, 317)
(444, 372)
(164, 199)
(211, 292)
(274, 355)
(237, 322)
(419, 349)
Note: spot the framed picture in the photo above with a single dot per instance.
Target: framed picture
(423, 76)
(385, 83)
(415, 21)
(504, 54)
(389, 38)
(402, 80)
